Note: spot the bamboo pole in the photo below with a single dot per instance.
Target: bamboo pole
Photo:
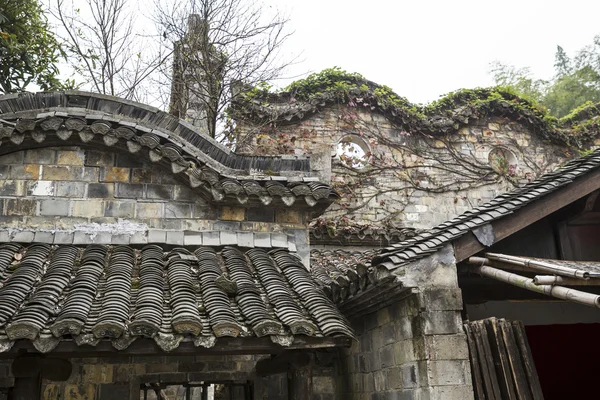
(543, 266)
(559, 292)
(559, 280)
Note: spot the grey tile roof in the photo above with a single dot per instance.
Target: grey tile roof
(342, 273)
(81, 118)
(360, 235)
(49, 293)
(432, 240)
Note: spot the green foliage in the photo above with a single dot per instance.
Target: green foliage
(329, 80)
(576, 80)
(28, 50)
(448, 114)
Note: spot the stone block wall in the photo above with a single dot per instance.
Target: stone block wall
(414, 349)
(88, 194)
(386, 189)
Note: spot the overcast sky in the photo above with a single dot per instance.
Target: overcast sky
(424, 49)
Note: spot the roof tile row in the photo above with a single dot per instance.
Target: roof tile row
(119, 293)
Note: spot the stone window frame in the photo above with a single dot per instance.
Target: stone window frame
(348, 141)
(504, 164)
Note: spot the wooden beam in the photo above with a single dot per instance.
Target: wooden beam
(467, 245)
(282, 362)
(225, 346)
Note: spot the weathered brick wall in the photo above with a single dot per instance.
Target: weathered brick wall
(60, 189)
(321, 132)
(414, 349)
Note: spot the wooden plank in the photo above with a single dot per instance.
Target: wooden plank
(503, 371)
(527, 358)
(467, 245)
(487, 361)
(475, 366)
(515, 360)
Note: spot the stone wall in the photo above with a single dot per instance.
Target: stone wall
(99, 192)
(402, 180)
(414, 349)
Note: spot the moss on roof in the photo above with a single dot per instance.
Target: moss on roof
(308, 96)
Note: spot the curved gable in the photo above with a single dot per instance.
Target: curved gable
(74, 118)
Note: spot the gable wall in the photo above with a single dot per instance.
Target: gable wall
(400, 164)
(99, 193)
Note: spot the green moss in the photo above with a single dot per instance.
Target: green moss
(456, 108)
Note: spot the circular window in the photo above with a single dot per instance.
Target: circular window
(503, 161)
(353, 151)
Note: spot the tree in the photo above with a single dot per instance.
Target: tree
(105, 48)
(576, 80)
(29, 53)
(218, 46)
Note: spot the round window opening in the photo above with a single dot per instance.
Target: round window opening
(503, 161)
(353, 152)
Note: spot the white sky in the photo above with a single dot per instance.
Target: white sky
(423, 49)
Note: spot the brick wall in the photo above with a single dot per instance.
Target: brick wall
(92, 186)
(321, 132)
(414, 349)
(90, 191)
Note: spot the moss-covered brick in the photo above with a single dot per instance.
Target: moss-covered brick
(142, 175)
(184, 193)
(159, 192)
(288, 216)
(115, 174)
(88, 208)
(97, 373)
(204, 211)
(101, 190)
(52, 392)
(129, 161)
(110, 391)
(129, 190)
(233, 213)
(54, 207)
(61, 173)
(261, 214)
(91, 174)
(82, 391)
(20, 207)
(40, 156)
(149, 210)
(70, 189)
(24, 171)
(12, 188)
(70, 157)
(178, 210)
(119, 209)
(13, 158)
(99, 159)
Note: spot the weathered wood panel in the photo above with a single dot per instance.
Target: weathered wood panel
(501, 363)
